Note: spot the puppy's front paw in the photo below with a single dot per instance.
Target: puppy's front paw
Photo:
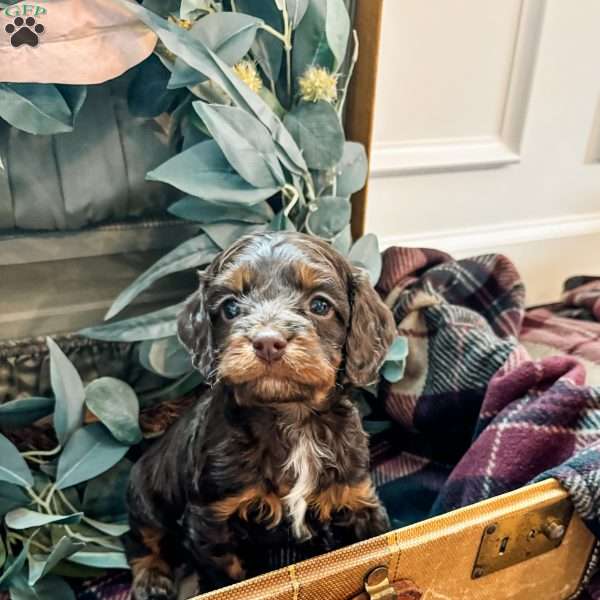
(151, 584)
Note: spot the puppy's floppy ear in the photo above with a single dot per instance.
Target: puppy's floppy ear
(195, 331)
(372, 331)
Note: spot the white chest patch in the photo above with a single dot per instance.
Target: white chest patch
(305, 463)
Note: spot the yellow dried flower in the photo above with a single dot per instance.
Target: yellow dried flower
(246, 71)
(317, 84)
(183, 23)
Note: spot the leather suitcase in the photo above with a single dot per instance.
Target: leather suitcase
(524, 545)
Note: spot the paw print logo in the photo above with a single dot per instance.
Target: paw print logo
(24, 31)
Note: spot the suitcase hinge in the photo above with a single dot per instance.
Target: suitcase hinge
(378, 586)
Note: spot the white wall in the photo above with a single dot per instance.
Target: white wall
(487, 133)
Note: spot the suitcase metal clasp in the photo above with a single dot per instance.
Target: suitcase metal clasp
(522, 536)
(378, 586)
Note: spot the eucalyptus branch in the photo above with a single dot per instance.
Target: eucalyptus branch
(310, 188)
(101, 541)
(12, 536)
(286, 39)
(36, 453)
(287, 32)
(280, 36)
(39, 500)
(70, 506)
(353, 61)
(291, 193)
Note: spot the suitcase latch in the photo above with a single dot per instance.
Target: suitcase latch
(517, 538)
(378, 586)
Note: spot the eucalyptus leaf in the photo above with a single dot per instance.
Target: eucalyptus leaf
(41, 565)
(13, 468)
(74, 96)
(15, 567)
(395, 360)
(229, 35)
(225, 233)
(322, 36)
(352, 170)
(317, 129)
(68, 391)
(202, 211)
(22, 412)
(203, 171)
(200, 57)
(192, 8)
(399, 349)
(343, 240)
(365, 253)
(115, 403)
(12, 496)
(393, 371)
(192, 253)
(147, 95)
(112, 529)
(24, 518)
(105, 497)
(164, 8)
(50, 587)
(182, 386)
(375, 427)
(89, 452)
(165, 357)
(35, 108)
(245, 142)
(332, 215)
(157, 324)
(100, 559)
(267, 50)
(296, 11)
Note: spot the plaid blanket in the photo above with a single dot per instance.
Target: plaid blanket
(496, 397)
(493, 398)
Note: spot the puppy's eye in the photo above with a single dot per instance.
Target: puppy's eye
(231, 309)
(319, 306)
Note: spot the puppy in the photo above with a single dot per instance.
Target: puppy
(283, 327)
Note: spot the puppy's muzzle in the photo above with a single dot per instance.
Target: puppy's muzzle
(269, 345)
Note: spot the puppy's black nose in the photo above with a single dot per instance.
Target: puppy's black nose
(269, 345)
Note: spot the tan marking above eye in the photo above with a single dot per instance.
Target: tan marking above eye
(308, 277)
(238, 279)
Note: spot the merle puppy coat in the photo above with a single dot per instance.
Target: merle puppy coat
(283, 328)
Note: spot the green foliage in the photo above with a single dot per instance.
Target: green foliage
(25, 411)
(317, 129)
(13, 468)
(63, 510)
(228, 35)
(395, 361)
(41, 108)
(116, 404)
(69, 392)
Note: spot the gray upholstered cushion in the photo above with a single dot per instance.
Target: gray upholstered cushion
(91, 175)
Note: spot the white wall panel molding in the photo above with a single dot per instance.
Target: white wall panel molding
(392, 158)
(493, 238)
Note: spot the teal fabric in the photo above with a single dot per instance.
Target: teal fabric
(94, 174)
